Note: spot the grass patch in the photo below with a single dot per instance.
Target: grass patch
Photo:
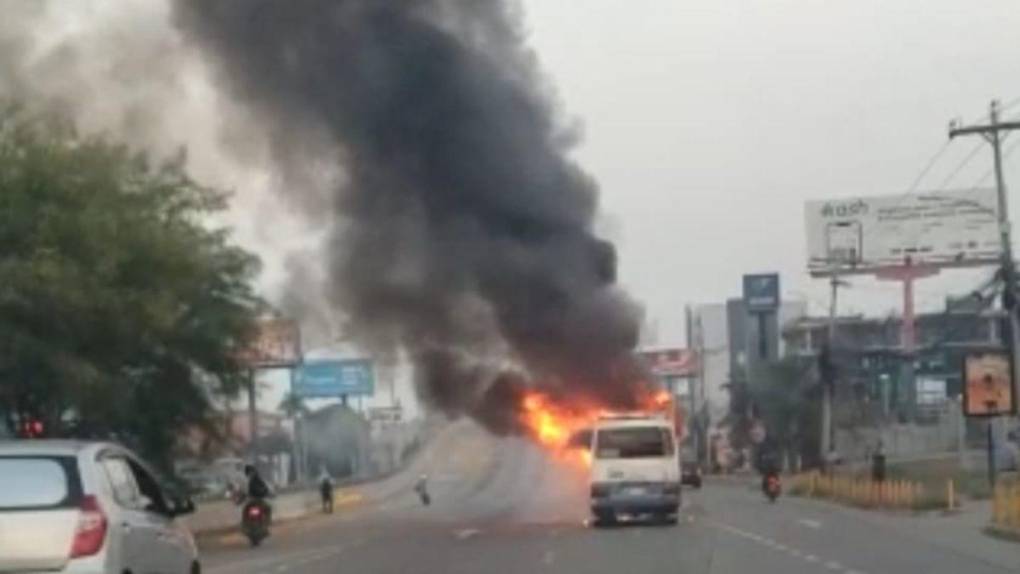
(934, 474)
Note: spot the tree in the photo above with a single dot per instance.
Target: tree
(293, 406)
(120, 308)
(781, 396)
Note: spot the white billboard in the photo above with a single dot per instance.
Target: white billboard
(867, 233)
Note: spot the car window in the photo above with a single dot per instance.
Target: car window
(634, 443)
(33, 483)
(122, 482)
(148, 487)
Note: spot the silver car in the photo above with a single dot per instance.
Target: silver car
(88, 508)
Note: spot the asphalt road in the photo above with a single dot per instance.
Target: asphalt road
(502, 507)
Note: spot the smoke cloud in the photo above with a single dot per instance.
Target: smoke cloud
(460, 231)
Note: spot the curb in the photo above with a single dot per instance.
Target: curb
(1002, 532)
(231, 536)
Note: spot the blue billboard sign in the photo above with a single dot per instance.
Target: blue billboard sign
(761, 292)
(334, 378)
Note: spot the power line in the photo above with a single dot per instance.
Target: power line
(973, 153)
(927, 168)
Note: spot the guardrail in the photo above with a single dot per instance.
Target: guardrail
(867, 493)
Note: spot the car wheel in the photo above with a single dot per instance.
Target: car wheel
(670, 519)
(604, 518)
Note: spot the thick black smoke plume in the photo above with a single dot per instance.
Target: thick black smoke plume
(462, 232)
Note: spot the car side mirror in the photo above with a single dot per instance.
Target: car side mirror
(145, 503)
(182, 506)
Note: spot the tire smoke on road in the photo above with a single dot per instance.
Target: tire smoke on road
(460, 230)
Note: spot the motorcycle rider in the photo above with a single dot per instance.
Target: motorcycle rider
(769, 465)
(257, 490)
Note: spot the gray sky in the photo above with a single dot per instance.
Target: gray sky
(708, 123)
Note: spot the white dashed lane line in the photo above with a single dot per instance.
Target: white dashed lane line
(830, 565)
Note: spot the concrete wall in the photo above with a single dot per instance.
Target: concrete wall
(224, 514)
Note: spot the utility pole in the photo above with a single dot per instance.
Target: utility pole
(253, 418)
(993, 134)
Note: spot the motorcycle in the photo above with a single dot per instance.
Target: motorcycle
(255, 520)
(772, 486)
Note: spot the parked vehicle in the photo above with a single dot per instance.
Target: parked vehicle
(88, 507)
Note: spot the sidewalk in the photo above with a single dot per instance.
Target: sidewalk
(963, 531)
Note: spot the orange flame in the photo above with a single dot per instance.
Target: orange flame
(553, 423)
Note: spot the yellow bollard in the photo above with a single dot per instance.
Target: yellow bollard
(950, 495)
(1015, 515)
(999, 506)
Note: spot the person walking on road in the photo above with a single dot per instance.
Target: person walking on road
(326, 490)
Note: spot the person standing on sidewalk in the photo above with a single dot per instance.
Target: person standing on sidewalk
(326, 490)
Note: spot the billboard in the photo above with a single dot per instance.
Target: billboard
(761, 292)
(273, 343)
(671, 362)
(868, 233)
(334, 378)
(987, 385)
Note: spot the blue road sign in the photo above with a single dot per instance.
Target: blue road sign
(334, 378)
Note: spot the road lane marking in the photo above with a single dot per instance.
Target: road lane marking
(259, 563)
(813, 524)
(467, 533)
(793, 552)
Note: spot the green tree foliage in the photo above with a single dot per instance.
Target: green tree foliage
(120, 308)
(781, 395)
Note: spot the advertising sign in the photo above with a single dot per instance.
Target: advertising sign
(867, 233)
(671, 362)
(987, 385)
(394, 414)
(334, 378)
(274, 343)
(761, 292)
